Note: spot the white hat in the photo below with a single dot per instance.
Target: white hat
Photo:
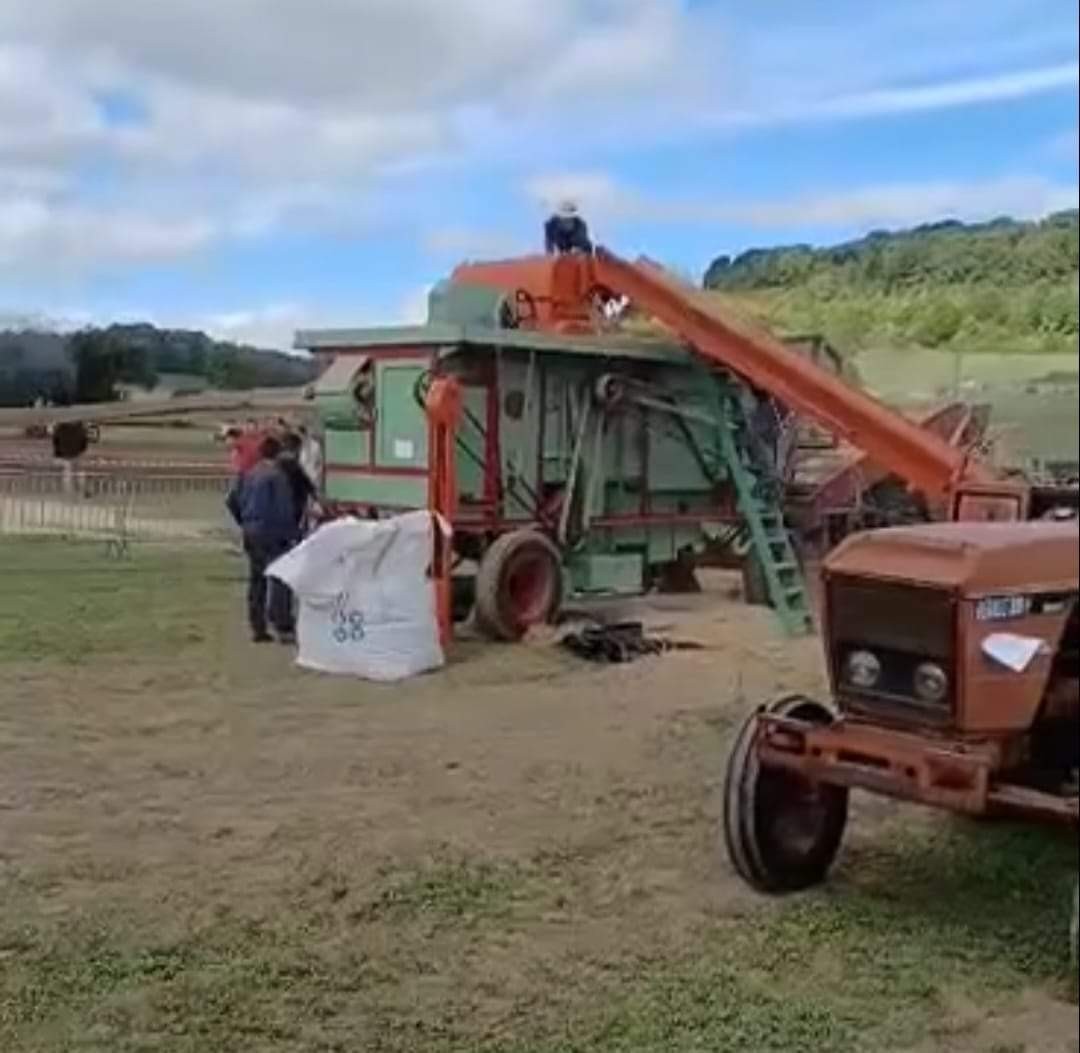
(567, 209)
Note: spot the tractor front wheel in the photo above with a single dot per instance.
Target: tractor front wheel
(518, 585)
(782, 831)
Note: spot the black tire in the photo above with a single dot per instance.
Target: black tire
(782, 832)
(518, 585)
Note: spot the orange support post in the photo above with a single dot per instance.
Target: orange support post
(443, 405)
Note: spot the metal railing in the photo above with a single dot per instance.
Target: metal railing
(117, 507)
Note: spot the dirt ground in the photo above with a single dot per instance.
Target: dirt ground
(517, 853)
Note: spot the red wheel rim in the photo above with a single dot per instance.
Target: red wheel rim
(528, 588)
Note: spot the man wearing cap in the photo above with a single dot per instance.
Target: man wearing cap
(262, 504)
(566, 231)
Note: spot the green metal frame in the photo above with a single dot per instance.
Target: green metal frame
(640, 477)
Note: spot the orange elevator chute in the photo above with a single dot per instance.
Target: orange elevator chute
(924, 460)
(559, 293)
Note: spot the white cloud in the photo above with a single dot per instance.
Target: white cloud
(598, 194)
(461, 242)
(1065, 146)
(271, 325)
(45, 117)
(912, 99)
(35, 232)
(376, 55)
(413, 307)
(251, 117)
(31, 179)
(901, 204)
(274, 325)
(601, 197)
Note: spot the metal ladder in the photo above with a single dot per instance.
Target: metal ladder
(759, 497)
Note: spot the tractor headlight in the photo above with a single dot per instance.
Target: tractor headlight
(931, 682)
(862, 669)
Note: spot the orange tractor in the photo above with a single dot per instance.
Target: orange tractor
(953, 653)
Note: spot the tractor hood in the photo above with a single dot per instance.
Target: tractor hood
(971, 559)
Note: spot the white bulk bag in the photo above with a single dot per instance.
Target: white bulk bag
(366, 603)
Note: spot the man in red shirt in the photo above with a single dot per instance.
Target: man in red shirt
(244, 447)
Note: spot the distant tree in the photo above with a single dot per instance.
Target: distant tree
(230, 370)
(1003, 285)
(103, 359)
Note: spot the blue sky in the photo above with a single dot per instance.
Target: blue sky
(250, 167)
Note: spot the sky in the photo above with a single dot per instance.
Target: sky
(254, 166)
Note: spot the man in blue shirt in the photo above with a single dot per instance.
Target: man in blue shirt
(305, 496)
(566, 231)
(261, 502)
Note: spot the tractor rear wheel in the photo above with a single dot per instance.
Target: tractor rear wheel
(782, 831)
(518, 585)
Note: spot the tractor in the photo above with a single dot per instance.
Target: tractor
(953, 653)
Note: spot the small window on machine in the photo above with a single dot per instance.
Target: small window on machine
(364, 394)
(514, 404)
(984, 508)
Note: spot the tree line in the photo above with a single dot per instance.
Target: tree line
(91, 364)
(1004, 285)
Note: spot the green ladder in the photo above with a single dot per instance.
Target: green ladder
(759, 498)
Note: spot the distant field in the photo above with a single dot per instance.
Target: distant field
(916, 373)
(194, 446)
(204, 849)
(1039, 422)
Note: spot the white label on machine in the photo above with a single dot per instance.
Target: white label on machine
(404, 450)
(1013, 651)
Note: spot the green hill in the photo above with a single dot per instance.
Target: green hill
(1004, 286)
(87, 366)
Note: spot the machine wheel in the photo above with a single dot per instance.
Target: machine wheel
(518, 585)
(782, 831)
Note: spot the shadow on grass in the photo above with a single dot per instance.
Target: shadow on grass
(869, 962)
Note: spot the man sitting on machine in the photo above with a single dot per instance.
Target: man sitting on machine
(566, 231)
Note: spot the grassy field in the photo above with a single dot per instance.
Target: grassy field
(202, 849)
(1032, 420)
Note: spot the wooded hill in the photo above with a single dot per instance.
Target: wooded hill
(88, 365)
(999, 286)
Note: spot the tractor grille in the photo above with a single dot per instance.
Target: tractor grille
(903, 627)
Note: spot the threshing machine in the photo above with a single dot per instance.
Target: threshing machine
(575, 454)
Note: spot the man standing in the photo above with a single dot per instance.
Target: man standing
(303, 489)
(261, 503)
(243, 446)
(566, 231)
